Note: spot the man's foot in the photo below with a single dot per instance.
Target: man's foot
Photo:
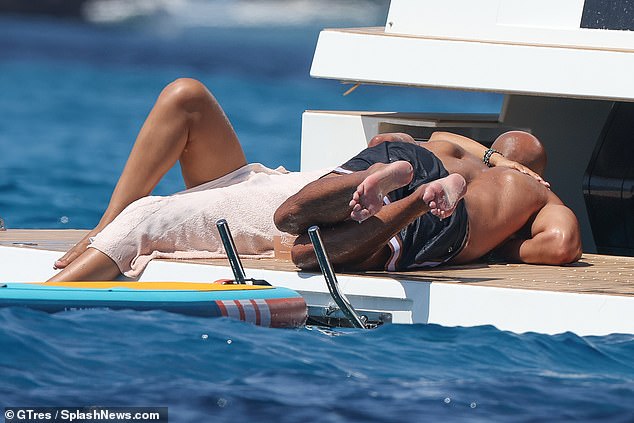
(367, 200)
(443, 195)
(76, 251)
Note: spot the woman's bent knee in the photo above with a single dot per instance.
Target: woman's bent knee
(186, 93)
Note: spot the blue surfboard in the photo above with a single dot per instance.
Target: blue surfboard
(263, 305)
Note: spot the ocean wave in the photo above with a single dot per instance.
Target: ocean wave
(238, 13)
(224, 370)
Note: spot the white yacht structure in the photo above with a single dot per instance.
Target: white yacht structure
(564, 68)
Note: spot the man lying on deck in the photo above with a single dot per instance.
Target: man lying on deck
(448, 200)
(187, 125)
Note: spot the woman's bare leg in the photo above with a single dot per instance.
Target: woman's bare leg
(91, 265)
(186, 124)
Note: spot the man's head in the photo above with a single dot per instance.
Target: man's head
(523, 148)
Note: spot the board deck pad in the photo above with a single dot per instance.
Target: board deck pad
(262, 305)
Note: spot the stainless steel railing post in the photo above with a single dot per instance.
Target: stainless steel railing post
(331, 279)
(230, 249)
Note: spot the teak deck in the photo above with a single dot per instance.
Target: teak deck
(593, 274)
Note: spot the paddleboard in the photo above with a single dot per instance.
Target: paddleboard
(262, 305)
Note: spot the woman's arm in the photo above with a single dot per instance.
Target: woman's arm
(467, 144)
(473, 147)
(496, 159)
(470, 146)
(391, 137)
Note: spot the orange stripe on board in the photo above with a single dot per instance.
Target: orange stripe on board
(258, 318)
(241, 310)
(157, 286)
(223, 309)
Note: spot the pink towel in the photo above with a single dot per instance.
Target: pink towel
(183, 225)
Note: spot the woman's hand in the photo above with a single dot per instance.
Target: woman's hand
(498, 160)
(392, 137)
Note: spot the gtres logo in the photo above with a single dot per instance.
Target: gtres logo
(27, 415)
(70, 415)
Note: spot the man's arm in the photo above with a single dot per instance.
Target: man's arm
(555, 237)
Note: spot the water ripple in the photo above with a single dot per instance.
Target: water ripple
(198, 366)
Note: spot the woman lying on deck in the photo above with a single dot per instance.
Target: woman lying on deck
(447, 200)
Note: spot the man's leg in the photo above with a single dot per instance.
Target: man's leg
(334, 198)
(186, 124)
(326, 202)
(367, 200)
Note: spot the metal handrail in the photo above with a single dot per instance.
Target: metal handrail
(230, 249)
(331, 279)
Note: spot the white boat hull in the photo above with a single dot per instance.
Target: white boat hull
(406, 300)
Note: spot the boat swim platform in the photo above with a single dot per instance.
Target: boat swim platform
(594, 296)
(594, 273)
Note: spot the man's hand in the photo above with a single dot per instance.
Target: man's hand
(498, 160)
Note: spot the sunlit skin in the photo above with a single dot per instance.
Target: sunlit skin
(188, 126)
(441, 195)
(511, 208)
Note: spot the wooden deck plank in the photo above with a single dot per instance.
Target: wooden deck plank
(596, 274)
(42, 239)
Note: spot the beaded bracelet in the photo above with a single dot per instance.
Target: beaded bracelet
(487, 156)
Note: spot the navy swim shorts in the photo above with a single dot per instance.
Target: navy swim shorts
(428, 241)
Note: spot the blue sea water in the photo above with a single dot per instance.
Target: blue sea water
(73, 95)
(225, 371)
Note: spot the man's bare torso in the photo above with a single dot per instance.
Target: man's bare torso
(500, 202)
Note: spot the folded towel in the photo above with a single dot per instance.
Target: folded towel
(183, 225)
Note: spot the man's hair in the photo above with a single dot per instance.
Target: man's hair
(523, 148)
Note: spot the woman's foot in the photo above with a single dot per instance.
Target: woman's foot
(367, 200)
(442, 195)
